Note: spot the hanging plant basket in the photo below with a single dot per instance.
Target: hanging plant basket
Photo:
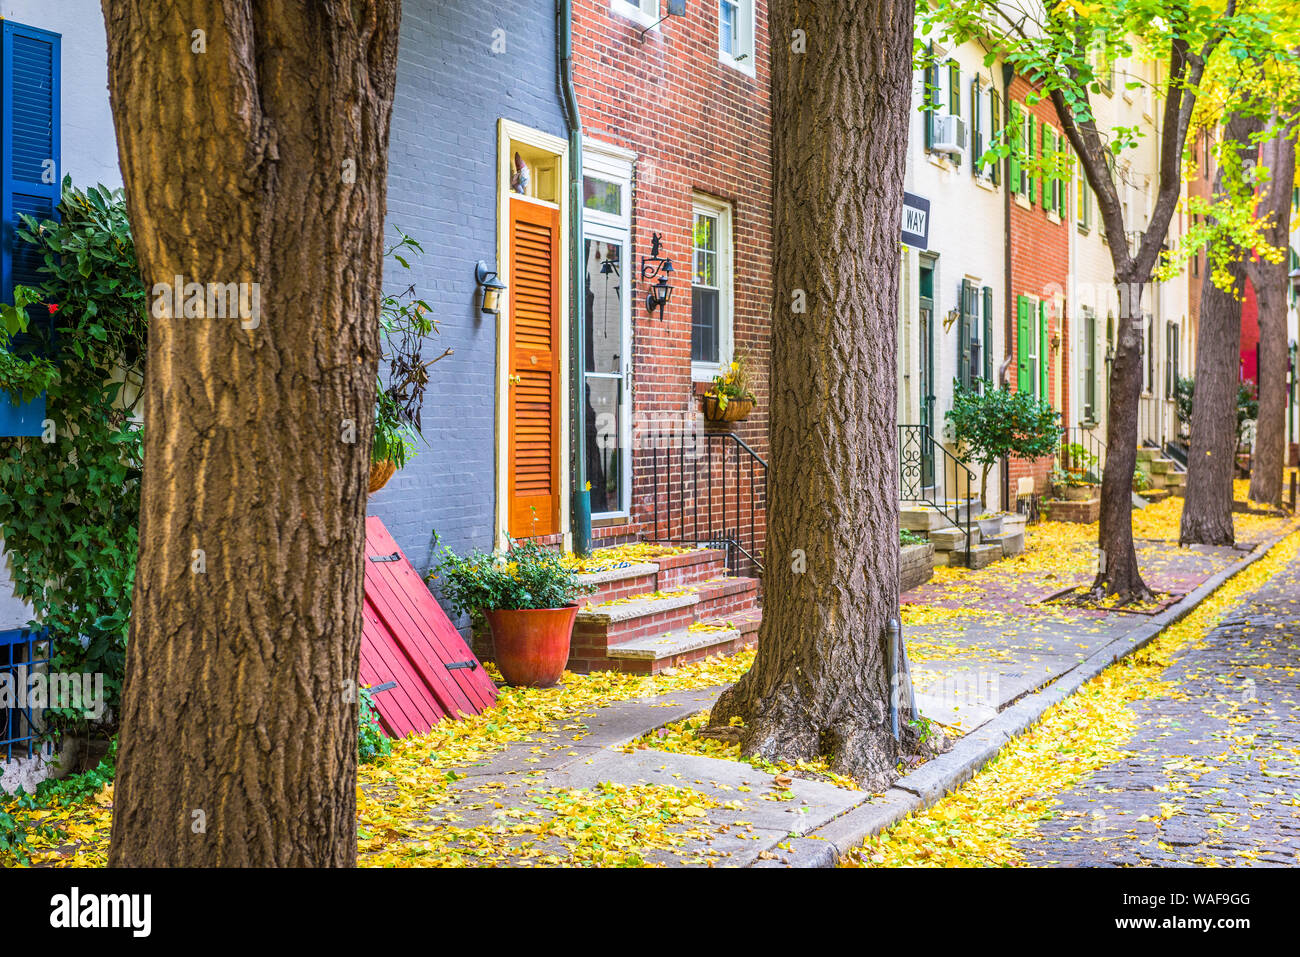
(737, 410)
(380, 473)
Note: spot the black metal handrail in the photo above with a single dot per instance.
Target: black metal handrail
(713, 494)
(928, 472)
(1082, 452)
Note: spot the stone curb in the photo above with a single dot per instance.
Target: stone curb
(930, 782)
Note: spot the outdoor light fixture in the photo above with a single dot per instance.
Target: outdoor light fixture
(656, 267)
(492, 288)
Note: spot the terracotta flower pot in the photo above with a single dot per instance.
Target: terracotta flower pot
(380, 473)
(1079, 493)
(737, 410)
(531, 645)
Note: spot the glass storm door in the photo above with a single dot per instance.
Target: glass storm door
(927, 388)
(606, 414)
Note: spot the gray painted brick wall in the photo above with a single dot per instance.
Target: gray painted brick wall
(451, 90)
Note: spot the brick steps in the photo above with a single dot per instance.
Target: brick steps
(639, 619)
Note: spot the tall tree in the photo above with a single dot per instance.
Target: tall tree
(1207, 506)
(1067, 49)
(841, 76)
(253, 137)
(1268, 275)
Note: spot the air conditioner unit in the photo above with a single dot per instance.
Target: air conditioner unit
(950, 135)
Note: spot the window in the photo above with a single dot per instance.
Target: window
(1089, 365)
(1172, 336)
(646, 11)
(1031, 347)
(736, 34)
(983, 103)
(710, 288)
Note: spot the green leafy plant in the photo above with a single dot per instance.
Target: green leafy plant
(1141, 480)
(996, 423)
(908, 537)
(1183, 392)
(69, 507)
(527, 575)
(406, 322)
(1247, 405)
(731, 382)
(372, 743)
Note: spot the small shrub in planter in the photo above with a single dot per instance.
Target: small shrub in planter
(996, 423)
(528, 597)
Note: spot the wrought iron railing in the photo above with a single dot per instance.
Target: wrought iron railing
(713, 494)
(931, 475)
(1082, 454)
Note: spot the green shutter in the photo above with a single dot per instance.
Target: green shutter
(963, 334)
(1063, 193)
(1023, 332)
(954, 88)
(1044, 359)
(1017, 147)
(988, 335)
(928, 98)
(1031, 126)
(1044, 151)
(995, 124)
(976, 127)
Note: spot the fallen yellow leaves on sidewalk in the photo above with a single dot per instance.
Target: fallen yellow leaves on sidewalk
(981, 822)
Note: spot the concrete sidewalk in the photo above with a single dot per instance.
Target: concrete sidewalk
(988, 676)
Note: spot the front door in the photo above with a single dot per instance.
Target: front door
(534, 416)
(606, 393)
(927, 389)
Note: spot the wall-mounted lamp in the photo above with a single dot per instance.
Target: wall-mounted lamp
(656, 267)
(491, 286)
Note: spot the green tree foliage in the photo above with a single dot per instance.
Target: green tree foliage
(997, 423)
(69, 507)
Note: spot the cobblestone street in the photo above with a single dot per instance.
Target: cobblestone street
(1213, 776)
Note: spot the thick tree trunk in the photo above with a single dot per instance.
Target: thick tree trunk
(1277, 154)
(820, 685)
(1118, 572)
(1207, 507)
(254, 146)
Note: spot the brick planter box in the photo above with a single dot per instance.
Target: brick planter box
(915, 565)
(1084, 513)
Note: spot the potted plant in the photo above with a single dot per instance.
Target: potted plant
(729, 398)
(527, 595)
(405, 325)
(990, 423)
(1075, 479)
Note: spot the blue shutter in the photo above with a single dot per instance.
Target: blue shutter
(29, 158)
(30, 170)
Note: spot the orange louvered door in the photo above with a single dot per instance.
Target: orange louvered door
(534, 485)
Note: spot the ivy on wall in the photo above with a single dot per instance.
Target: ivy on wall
(70, 501)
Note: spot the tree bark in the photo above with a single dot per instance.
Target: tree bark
(254, 144)
(1119, 574)
(1212, 447)
(1118, 571)
(820, 683)
(1277, 154)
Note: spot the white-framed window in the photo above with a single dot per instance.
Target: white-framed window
(711, 287)
(736, 34)
(644, 12)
